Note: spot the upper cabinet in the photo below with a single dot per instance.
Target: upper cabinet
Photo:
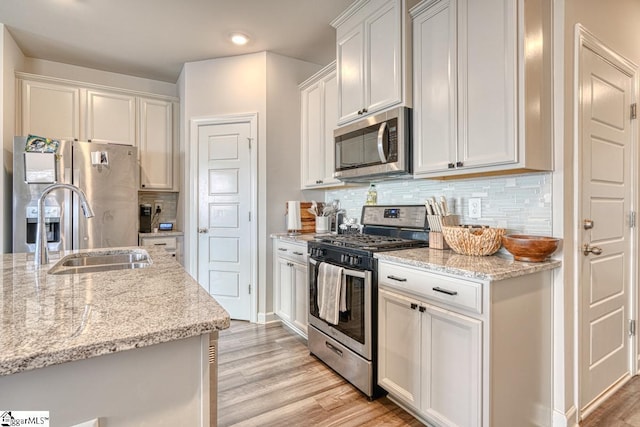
(50, 109)
(482, 87)
(319, 106)
(62, 109)
(156, 144)
(110, 117)
(373, 58)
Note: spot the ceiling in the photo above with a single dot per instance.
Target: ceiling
(154, 38)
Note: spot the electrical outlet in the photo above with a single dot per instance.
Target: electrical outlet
(157, 206)
(475, 208)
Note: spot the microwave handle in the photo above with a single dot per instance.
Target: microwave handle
(383, 157)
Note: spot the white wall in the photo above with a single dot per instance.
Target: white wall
(12, 59)
(262, 83)
(284, 74)
(617, 27)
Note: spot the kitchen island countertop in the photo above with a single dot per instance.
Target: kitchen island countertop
(491, 268)
(51, 319)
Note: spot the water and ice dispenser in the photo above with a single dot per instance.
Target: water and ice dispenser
(51, 220)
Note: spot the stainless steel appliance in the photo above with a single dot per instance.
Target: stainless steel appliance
(375, 148)
(107, 175)
(349, 347)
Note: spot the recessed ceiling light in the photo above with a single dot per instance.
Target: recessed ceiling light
(239, 39)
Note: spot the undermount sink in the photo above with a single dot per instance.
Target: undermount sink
(91, 262)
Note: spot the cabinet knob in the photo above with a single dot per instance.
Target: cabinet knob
(203, 230)
(451, 165)
(143, 185)
(364, 110)
(459, 164)
(414, 306)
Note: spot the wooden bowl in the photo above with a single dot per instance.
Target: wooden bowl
(530, 248)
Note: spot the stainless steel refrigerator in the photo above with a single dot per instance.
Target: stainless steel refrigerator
(107, 175)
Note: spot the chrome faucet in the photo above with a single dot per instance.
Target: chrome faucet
(42, 253)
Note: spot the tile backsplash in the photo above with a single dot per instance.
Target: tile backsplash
(169, 204)
(519, 203)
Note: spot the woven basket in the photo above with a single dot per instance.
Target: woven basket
(473, 241)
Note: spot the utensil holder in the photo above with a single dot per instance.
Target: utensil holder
(436, 241)
(322, 224)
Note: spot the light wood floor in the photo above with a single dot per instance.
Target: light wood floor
(268, 378)
(620, 410)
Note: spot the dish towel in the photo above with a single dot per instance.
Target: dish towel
(331, 293)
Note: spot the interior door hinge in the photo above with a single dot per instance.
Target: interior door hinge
(633, 110)
(632, 327)
(632, 219)
(249, 216)
(249, 139)
(249, 288)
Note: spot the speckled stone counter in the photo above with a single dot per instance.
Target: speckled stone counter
(162, 234)
(50, 319)
(300, 238)
(489, 268)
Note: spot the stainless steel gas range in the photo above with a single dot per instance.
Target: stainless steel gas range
(349, 346)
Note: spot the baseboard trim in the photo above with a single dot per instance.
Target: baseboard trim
(264, 318)
(567, 419)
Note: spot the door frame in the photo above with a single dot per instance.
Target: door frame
(584, 39)
(191, 233)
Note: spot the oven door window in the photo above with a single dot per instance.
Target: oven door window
(352, 320)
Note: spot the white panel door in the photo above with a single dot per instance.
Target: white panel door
(606, 155)
(224, 189)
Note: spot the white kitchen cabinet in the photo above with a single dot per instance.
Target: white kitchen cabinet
(430, 358)
(476, 109)
(110, 117)
(65, 109)
(50, 110)
(291, 289)
(319, 106)
(156, 145)
(172, 244)
(373, 58)
(460, 352)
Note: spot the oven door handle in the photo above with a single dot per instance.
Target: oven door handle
(346, 271)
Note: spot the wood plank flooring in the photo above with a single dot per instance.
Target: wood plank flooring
(620, 410)
(266, 377)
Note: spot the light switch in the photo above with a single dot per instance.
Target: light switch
(475, 208)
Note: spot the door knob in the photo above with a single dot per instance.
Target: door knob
(203, 230)
(586, 250)
(587, 224)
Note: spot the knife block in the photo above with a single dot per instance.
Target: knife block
(436, 241)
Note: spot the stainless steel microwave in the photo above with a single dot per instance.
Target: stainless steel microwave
(375, 148)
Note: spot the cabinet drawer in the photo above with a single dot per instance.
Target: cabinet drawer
(454, 292)
(293, 251)
(166, 242)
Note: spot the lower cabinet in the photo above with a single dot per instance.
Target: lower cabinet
(291, 289)
(172, 244)
(460, 352)
(430, 358)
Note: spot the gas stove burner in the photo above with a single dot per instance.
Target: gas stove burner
(369, 242)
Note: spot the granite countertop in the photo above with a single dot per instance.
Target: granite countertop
(172, 233)
(491, 268)
(50, 319)
(300, 238)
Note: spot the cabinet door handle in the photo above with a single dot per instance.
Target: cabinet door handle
(459, 164)
(445, 291)
(397, 279)
(298, 253)
(159, 244)
(359, 112)
(364, 110)
(414, 306)
(451, 166)
(422, 309)
(282, 249)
